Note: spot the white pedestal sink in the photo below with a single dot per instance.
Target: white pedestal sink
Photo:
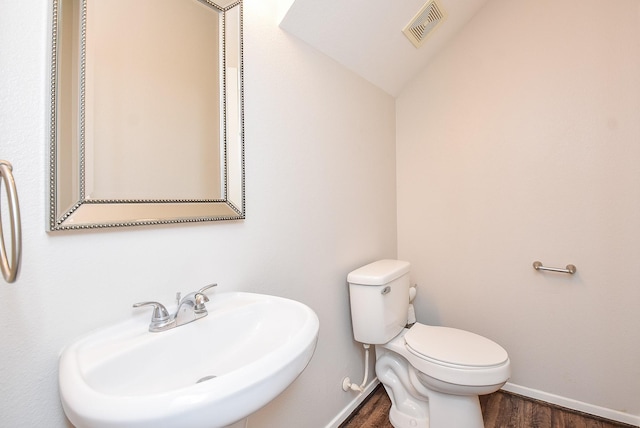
(210, 373)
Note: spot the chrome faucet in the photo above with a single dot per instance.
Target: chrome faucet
(190, 308)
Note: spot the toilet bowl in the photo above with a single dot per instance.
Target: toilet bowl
(433, 375)
(442, 384)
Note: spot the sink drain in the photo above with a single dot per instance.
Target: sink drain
(206, 378)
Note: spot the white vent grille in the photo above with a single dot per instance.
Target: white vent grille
(425, 22)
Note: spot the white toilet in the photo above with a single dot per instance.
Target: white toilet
(433, 375)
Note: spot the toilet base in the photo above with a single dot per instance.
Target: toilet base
(402, 420)
(450, 412)
(454, 411)
(413, 405)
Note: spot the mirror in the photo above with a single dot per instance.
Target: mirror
(147, 113)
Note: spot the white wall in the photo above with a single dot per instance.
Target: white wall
(320, 160)
(521, 142)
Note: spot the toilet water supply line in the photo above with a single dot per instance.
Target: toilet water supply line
(346, 382)
(411, 319)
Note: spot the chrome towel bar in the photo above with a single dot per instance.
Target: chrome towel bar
(10, 269)
(571, 269)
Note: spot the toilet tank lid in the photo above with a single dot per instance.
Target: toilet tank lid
(379, 273)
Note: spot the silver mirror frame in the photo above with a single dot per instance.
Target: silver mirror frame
(98, 213)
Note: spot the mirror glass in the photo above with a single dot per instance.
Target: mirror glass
(147, 113)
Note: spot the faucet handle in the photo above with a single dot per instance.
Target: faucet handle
(200, 299)
(206, 287)
(160, 313)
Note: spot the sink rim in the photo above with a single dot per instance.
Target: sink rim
(210, 400)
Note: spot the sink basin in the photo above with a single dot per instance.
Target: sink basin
(210, 373)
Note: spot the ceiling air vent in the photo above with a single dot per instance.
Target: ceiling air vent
(425, 22)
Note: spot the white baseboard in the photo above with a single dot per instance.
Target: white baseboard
(569, 403)
(353, 405)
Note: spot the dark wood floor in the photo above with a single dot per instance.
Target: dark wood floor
(500, 410)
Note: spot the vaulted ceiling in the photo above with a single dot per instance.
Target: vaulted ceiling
(366, 35)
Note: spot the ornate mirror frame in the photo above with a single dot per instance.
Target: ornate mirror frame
(70, 208)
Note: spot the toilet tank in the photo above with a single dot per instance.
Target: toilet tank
(379, 296)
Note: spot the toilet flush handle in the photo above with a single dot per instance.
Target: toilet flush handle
(386, 290)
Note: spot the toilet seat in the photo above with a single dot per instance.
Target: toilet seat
(455, 348)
